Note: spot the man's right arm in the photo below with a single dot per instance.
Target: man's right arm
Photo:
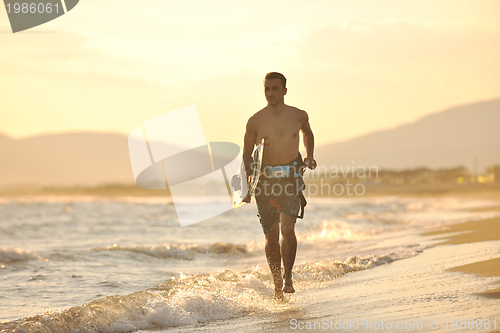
(248, 145)
(250, 137)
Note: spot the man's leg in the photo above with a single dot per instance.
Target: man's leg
(288, 250)
(273, 256)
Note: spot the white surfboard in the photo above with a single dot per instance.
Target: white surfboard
(240, 185)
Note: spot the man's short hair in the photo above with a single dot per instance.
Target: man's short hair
(276, 75)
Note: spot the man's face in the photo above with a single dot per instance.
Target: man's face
(274, 91)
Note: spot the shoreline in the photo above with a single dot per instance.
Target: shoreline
(473, 232)
(479, 191)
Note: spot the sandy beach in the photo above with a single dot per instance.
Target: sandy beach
(473, 232)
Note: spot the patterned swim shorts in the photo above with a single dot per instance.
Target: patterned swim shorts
(275, 196)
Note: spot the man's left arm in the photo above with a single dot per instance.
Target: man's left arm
(308, 138)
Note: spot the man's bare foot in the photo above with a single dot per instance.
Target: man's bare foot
(278, 295)
(288, 287)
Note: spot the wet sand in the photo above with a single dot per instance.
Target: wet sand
(472, 232)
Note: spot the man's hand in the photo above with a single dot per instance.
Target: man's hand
(248, 198)
(310, 163)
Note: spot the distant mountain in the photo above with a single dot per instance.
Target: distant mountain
(4, 138)
(449, 138)
(65, 159)
(445, 139)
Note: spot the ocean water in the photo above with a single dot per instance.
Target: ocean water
(124, 264)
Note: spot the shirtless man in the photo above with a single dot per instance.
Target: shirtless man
(279, 199)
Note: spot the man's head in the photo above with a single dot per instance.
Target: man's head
(275, 88)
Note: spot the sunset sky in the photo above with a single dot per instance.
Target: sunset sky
(355, 66)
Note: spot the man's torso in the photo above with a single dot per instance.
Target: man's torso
(280, 134)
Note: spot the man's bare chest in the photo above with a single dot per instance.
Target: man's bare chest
(279, 129)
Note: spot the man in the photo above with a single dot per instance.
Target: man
(279, 192)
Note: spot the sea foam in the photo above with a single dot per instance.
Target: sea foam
(10, 255)
(191, 299)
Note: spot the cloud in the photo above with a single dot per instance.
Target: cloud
(390, 41)
(394, 52)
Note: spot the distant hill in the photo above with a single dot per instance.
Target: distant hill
(445, 139)
(65, 159)
(4, 138)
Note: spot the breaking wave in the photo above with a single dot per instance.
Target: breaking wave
(10, 255)
(191, 299)
(179, 251)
